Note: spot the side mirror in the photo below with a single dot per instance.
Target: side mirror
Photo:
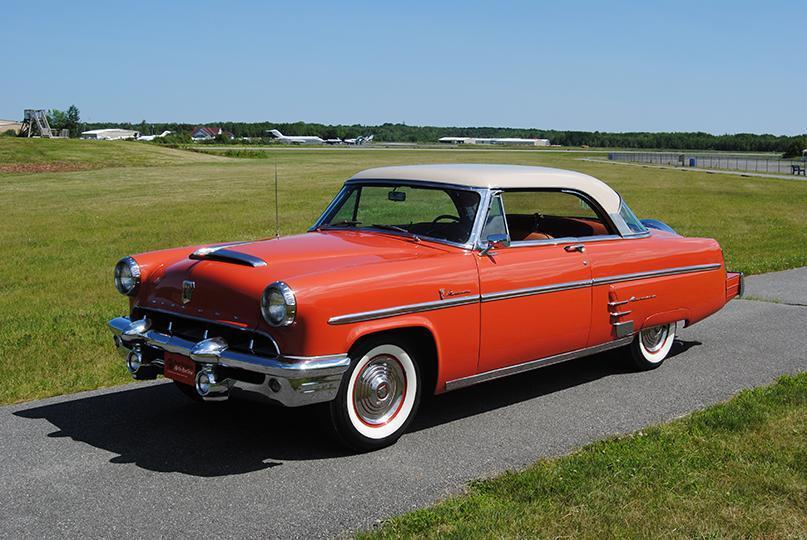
(495, 241)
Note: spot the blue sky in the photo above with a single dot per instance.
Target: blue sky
(720, 67)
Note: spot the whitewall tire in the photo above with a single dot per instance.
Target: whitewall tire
(379, 394)
(651, 346)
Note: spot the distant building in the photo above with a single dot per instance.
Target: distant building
(112, 134)
(10, 125)
(205, 133)
(494, 140)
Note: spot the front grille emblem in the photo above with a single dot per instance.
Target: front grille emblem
(187, 290)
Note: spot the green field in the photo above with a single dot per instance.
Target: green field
(64, 231)
(735, 470)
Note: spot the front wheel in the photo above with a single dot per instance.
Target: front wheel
(379, 395)
(652, 345)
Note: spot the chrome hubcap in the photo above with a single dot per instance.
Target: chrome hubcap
(379, 390)
(653, 338)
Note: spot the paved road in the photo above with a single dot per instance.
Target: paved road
(787, 287)
(139, 460)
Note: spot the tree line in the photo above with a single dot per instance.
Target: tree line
(389, 132)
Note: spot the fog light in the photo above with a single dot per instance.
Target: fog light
(133, 361)
(274, 385)
(203, 383)
(208, 383)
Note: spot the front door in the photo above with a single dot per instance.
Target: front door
(536, 293)
(536, 302)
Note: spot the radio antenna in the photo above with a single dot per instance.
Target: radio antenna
(277, 208)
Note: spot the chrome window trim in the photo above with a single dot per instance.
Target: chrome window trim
(535, 364)
(513, 293)
(575, 240)
(624, 233)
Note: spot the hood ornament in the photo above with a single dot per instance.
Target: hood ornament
(187, 290)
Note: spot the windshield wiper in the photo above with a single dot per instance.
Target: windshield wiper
(397, 229)
(342, 223)
(390, 227)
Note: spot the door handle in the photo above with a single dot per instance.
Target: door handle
(580, 248)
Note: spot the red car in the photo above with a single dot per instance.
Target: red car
(418, 279)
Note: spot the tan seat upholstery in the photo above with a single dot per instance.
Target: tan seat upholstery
(523, 227)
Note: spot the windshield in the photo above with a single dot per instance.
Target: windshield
(429, 212)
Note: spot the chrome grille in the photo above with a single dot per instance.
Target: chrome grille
(193, 329)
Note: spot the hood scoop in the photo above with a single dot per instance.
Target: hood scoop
(225, 254)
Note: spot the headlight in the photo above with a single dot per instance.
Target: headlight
(127, 276)
(278, 304)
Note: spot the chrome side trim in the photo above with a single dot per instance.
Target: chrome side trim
(534, 364)
(515, 293)
(656, 273)
(403, 310)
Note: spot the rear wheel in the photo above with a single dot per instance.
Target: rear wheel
(651, 346)
(379, 395)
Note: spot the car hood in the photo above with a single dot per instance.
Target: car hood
(229, 291)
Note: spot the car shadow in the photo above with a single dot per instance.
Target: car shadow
(157, 428)
(499, 393)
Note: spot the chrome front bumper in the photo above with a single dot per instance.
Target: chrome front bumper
(292, 381)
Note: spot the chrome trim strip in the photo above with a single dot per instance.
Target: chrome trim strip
(656, 273)
(227, 255)
(403, 310)
(534, 364)
(515, 293)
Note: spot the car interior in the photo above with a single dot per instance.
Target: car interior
(544, 215)
(526, 227)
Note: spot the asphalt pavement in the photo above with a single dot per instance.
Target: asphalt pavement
(142, 461)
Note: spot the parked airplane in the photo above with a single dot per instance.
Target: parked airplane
(295, 139)
(334, 141)
(360, 140)
(152, 137)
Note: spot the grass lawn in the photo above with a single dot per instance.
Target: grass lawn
(735, 470)
(62, 232)
(42, 155)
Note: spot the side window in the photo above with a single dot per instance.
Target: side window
(494, 223)
(545, 215)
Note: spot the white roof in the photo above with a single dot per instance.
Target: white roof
(500, 176)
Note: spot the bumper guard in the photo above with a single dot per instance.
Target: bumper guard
(291, 380)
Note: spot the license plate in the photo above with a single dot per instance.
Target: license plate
(179, 368)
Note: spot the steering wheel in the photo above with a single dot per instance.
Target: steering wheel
(455, 219)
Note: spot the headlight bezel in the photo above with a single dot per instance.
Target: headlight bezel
(130, 265)
(283, 291)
